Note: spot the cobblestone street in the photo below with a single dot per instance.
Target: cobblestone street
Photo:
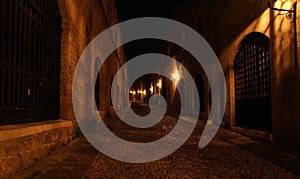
(149, 89)
(219, 159)
(229, 155)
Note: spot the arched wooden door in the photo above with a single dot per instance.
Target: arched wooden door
(30, 60)
(253, 84)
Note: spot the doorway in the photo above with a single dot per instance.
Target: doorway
(253, 83)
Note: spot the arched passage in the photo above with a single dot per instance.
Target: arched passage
(200, 87)
(253, 84)
(97, 90)
(183, 96)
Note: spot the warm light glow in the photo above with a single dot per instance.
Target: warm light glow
(144, 92)
(132, 92)
(176, 76)
(284, 4)
(151, 88)
(159, 84)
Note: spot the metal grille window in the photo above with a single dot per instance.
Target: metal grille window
(253, 84)
(30, 60)
(252, 69)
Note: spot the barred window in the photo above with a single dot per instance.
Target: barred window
(252, 68)
(29, 60)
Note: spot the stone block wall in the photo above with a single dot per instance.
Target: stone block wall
(224, 24)
(22, 145)
(238, 19)
(83, 21)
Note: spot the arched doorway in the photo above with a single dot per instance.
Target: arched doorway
(97, 92)
(253, 84)
(97, 85)
(30, 61)
(200, 87)
(183, 96)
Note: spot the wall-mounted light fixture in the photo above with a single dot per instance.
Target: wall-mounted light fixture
(132, 92)
(159, 83)
(176, 77)
(289, 12)
(151, 89)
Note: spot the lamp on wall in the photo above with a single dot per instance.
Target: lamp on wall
(289, 12)
(151, 89)
(176, 77)
(159, 83)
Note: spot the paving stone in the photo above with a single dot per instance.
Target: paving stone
(71, 161)
(220, 159)
(229, 155)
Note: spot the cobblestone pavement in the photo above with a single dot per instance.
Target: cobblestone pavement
(220, 159)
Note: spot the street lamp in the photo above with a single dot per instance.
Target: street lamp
(151, 89)
(159, 84)
(176, 77)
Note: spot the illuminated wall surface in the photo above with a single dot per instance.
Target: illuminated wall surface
(264, 32)
(226, 25)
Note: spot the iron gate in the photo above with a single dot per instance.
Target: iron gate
(30, 60)
(253, 84)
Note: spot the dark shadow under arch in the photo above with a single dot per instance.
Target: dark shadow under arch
(200, 87)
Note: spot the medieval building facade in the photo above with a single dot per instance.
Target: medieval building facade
(257, 45)
(41, 42)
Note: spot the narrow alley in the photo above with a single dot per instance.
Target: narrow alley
(149, 89)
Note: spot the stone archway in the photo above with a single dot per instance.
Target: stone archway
(200, 87)
(253, 83)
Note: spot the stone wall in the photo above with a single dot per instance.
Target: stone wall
(225, 23)
(286, 78)
(190, 13)
(83, 21)
(22, 145)
(235, 22)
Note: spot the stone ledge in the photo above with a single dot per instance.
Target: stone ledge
(22, 130)
(253, 133)
(24, 144)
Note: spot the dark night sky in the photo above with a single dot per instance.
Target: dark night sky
(129, 9)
